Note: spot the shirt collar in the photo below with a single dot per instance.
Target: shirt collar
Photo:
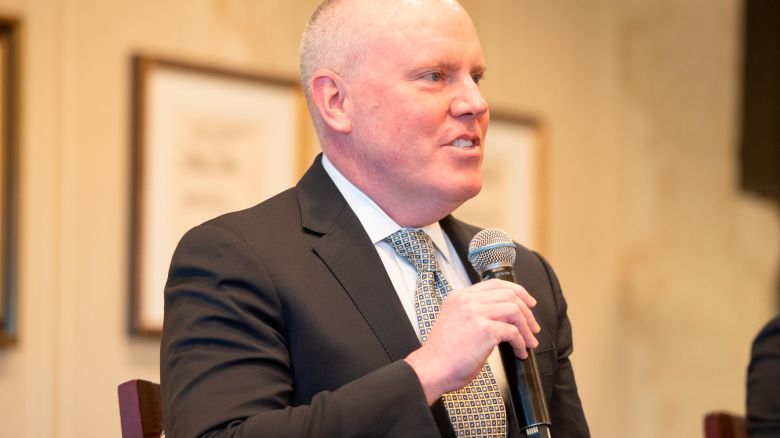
(375, 221)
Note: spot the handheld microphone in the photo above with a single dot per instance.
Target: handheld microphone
(492, 254)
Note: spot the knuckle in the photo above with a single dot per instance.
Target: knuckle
(496, 283)
(481, 326)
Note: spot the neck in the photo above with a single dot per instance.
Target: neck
(408, 215)
(405, 209)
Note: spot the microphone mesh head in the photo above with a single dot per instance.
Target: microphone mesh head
(491, 247)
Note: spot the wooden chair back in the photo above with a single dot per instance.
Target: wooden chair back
(724, 425)
(139, 409)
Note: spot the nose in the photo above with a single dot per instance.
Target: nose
(468, 101)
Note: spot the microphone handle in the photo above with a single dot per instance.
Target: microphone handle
(525, 384)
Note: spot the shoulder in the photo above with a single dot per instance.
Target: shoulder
(277, 211)
(769, 337)
(261, 229)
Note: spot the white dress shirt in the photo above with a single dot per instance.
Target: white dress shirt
(402, 274)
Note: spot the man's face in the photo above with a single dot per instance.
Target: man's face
(418, 117)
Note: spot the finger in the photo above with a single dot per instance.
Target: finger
(529, 301)
(535, 327)
(494, 284)
(526, 297)
(509, 333)
(508, 296)
(509, 313)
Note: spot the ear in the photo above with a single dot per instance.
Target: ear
(328, 92)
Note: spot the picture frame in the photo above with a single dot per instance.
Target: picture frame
(513, 180)
(205, 141)
(9, 152)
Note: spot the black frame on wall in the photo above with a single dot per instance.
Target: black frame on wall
(9, 152)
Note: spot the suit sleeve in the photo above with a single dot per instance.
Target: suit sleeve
(224, 363)
(566, 413)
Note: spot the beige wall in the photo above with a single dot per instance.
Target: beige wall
(668, 268)
(698, 259)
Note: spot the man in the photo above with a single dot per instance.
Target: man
(763, 383)
(297, 317)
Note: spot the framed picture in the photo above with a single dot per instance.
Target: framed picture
(206, 141)
(9, 87)
(513, 180)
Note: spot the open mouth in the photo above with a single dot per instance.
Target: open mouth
(465, 143)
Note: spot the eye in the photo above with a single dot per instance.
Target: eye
(476, 77)
(434, 76)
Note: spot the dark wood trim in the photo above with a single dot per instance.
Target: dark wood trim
(9, 33)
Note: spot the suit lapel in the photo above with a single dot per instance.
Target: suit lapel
(460, 238)
(350, 255)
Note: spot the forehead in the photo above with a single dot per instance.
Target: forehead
(409, 30)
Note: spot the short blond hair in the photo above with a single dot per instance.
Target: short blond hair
(325, 43)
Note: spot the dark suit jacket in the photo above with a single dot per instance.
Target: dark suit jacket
(763, 383)
(280, 320)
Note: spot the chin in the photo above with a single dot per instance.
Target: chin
(464, 192)
(472, 187)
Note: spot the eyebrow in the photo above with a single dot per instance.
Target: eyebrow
(481, 68)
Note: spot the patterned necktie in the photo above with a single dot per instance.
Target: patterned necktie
(476, 410)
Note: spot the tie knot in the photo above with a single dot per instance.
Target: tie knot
(416, 247)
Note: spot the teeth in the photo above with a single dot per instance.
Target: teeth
(462, 143)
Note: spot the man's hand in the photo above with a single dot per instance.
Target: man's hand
(470, 324)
